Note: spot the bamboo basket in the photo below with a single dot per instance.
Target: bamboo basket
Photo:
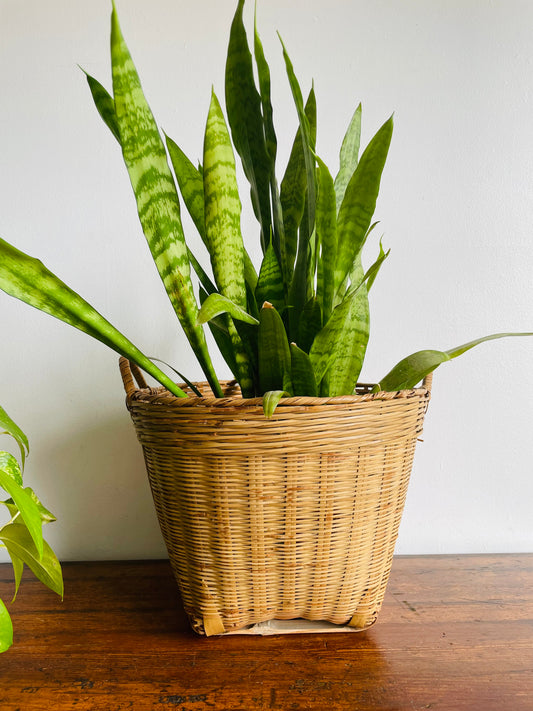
(293, 517)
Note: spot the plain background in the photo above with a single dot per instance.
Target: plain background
(456, 209)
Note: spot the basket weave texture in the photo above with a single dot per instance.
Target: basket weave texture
(290, 517)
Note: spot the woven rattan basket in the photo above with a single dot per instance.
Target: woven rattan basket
(290, 517)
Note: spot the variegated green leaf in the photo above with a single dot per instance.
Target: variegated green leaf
(29, 280)
(349, 156)
(157, 199)
(105, 104)
(6, 628)
(219, 330)
(359, 202)
(243, 104)
(326, 225)
(274, 353)
(217, 304)
(191, 185)
(411, 370)
(307, 141)
(11, 428)
(11, 467)
(374, 269)
(343, 339)
(270, 283)
(223, 208)
(302, 374)
(348, 351)
(46, 568)
(293, 192)
(310, 324)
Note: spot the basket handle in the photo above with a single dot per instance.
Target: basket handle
(427, 382)
(129, 371)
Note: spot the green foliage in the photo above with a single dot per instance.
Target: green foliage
(299, 327)
(22, 535)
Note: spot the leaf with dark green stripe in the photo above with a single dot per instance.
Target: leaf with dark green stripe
(308, 145)
(157, 199)
(326, 225)
(349, 156)
(274, 353)
(343, 338)
(105, 104)
(29, 280)
(359, 202)
(310, 324)
(302, 374)
(293, 192)
(223, 208)
(219, 330)
(217, 304)
(348, 351)
(411, 370)
(191, 185)
(270, 283)
(243, 104)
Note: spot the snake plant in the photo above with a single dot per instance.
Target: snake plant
(298, 324)
(22, 535)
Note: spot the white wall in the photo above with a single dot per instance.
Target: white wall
(456, 208)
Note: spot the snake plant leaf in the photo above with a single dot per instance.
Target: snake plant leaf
(191, 185)
(310, 324)
(271, 400)
(326, 226)
(28, 509)
(274, 352)
(411, 370)
(156, 195)
(10, 427)
(104, 103)
(217, 304)
(359, 202)
(6, 628)
(343, 339)
(293, 191)
(270, 283)
(307, 141)
(349, 156)
(302, 374)
(374, 269)
(223, 208)
(46, 568)
(263, 75)
(219, 330)
(243, 104)
(27, 279)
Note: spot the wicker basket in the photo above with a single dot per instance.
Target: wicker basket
(290, 517)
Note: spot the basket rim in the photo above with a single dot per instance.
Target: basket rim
(160, 395)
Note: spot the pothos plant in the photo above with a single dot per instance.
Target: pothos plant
(22, 535)
(300, 324)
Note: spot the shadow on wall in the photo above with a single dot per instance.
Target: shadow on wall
(100, 491)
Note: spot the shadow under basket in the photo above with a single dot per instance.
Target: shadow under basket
(292, 517)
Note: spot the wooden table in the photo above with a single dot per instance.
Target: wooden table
(455, 632)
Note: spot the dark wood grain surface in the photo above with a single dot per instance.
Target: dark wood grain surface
(455, 632)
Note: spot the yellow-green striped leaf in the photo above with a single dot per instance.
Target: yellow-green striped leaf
(411, 370)
(156, 195)
(349, 156)
(223, 208)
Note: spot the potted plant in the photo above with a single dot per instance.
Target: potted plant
(279, 494)
(22, 535)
